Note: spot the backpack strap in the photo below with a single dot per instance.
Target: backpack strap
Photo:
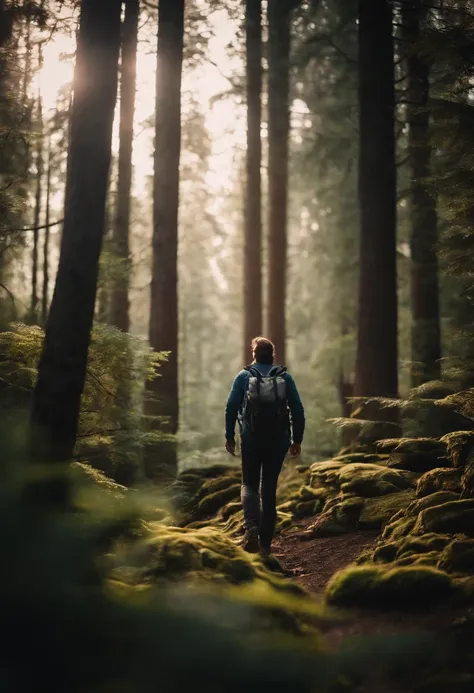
(256, 373)
(276, 371)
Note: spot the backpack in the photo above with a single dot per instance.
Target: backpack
(265, 409)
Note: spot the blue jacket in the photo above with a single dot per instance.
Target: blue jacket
(236, 399)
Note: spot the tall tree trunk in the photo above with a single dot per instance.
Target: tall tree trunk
(119, 299)
(164, 283)
(37, 215)
(279, 30)
(253, 201)
(377, 350)
(426, 332)
(62, 367)
(47, 221)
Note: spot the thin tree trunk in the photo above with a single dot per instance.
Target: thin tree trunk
(253, 198)
(164, 283)
(426, 332)
(279, 30)
(377, 352)
(120, 290)
(62, 367)
(45, 297)
(37, 215)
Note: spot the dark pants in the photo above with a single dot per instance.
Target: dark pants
(261, 466)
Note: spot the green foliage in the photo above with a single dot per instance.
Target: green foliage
(112, 428)
(398, 588)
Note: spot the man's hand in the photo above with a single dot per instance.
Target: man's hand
(295, 450)
(230, 447)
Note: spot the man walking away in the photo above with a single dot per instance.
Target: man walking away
(265, 399)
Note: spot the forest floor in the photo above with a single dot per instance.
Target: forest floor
(312, 562)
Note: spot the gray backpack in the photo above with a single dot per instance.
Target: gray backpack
(265, 408)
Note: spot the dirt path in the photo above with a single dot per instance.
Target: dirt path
(312, 563)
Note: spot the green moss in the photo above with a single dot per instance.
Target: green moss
(374, 458)
(399, 587)
(214, 485)
(455, 517)
(210, 505)
(439, 480)
(459, 445)
(430, 559)
(399, 528)
(424, 544)
(458, 556)
(230, 509)
(385, 553)
(353, 586)
(342, 517)
(368, 480)
(308, 493)
(430, 501)
(307, 508)
(467, 480)
(378, 511)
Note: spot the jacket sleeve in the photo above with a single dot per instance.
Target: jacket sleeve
(296, 410)
(234, 402)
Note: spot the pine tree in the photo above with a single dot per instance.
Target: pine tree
(62, 367)
(426, 332)
(253, 202)
(164, 283)
(119, 299)
(377, 350)
(279, 35)
(38, 209)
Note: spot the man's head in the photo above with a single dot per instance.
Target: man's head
(263, 350)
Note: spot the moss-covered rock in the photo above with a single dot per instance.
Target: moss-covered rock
(424, 544)
(368, 480)
(307, 508)
(458, 556)
(378, 511)
(374, 458)
(459, 445)
(400, 527)
(418, 454)
(210, 504)
(430, 501)
(399, 587)
(455, 517)
(431, 558)
(467, 479)
(439, 480)
(342, 517)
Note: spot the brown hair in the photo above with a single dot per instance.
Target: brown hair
(263, 350)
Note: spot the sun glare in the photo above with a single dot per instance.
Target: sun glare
(224, 120)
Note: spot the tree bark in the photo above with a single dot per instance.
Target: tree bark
(377, 349)
(279, 31)
(45, 297)
(62, 367)
(37, 215)
(426, 332)
(253, 197)
(164, 283)
(120, 300)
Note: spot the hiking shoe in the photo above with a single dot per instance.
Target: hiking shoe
(265, 552)
(250, 542)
